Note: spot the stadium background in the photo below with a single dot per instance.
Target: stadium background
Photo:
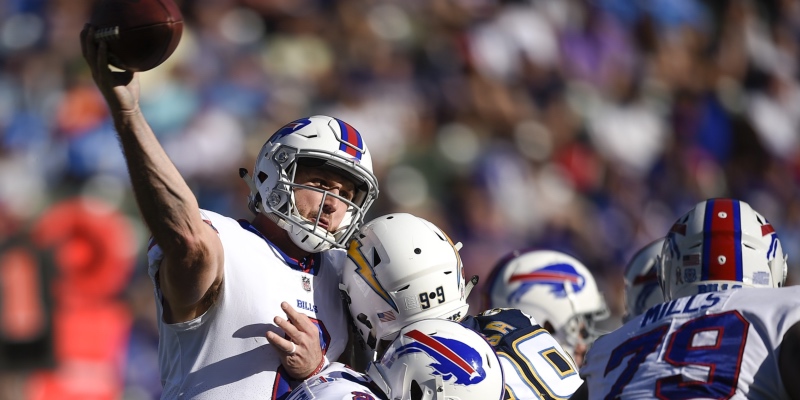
(581, 126)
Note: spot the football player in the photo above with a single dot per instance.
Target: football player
(220, 283)
(429, 359)
(555, 289)
(402, 268)
(726, 329)
(641, 284)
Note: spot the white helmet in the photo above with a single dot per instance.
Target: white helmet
(401, 268)
(720, 244)
(436, 359)
(551, 287)
(318, 141)
(642, 290)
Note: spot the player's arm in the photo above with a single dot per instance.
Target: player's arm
(789, 361)
(192, 266)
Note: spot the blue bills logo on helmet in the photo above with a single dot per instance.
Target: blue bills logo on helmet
(289, 128)
(452, 359)
(553, 276)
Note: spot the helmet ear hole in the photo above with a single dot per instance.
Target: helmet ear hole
(376, 258)
(416, 391)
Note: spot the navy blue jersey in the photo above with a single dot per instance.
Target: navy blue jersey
(534, 364)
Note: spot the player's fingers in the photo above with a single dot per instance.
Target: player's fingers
(283, 345)
(289, 329)
(298, 319)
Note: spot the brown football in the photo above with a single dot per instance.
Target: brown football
(141, 34)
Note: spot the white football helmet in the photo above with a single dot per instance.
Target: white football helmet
(435, 359)
(401, 268)
(720, 244)
(319, 141)
(552, 287)
(642, 289)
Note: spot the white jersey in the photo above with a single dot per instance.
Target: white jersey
(224, 353)
(337, 382)
(720, 345)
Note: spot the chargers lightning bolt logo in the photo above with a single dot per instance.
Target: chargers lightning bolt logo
(367, 272)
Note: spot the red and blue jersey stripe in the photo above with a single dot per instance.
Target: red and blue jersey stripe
(722, 237)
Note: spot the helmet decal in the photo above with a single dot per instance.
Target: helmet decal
(726, 244)
(288, 129)
(552, 275)
(649, 284)
(722, 241)
(400, 269)
(367, 272)
(453, 359)
(351, 140)
(460, 269)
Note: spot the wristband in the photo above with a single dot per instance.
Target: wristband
(322, 364)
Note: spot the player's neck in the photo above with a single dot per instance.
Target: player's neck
(279, 237)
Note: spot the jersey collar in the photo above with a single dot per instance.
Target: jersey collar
(309, 265)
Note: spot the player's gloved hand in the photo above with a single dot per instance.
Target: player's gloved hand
(303, 358)
(120, 88)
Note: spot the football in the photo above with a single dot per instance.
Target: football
(141, 34)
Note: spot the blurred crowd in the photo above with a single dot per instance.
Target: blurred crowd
(584, 126)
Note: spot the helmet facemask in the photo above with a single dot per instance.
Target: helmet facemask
(302, 229)
(316, 144)
(580, 329)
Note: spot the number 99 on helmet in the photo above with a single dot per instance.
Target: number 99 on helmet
(435, 359)
(720, 244)
(401, 268)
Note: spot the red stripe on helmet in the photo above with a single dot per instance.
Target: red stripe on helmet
(441, 349)
(352, 138)
(721, 233)
(545, 276)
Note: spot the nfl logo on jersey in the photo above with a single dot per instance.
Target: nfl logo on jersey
(307, 283)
